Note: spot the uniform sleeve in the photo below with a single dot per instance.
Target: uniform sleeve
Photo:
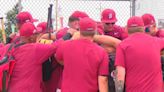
(120, 57)
(161, 41)
(160, 33)
(61, 33)
(44, 51)
(103, 68)
(59, 53)
(124, 33)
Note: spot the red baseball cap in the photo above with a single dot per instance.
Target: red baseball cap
(108, 16)
(148, 19)
(79, 14)
(23, 17)
(41, 27)
(27, 29)
(87, 24)
(135, 21)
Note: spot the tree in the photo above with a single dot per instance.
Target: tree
(10, 17)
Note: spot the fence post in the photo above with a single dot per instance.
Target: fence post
(133, 7)
(56, 15)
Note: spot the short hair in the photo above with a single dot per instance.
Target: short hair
(88, 33)
(72, 19)
(132, 30)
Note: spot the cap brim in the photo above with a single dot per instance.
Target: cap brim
(150, 24)
(38, 30)
(34, 20)
(109, 21)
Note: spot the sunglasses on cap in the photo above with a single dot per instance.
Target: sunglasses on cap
(109, 23)
(148, 28)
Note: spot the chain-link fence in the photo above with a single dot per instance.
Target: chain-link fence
(62, 9)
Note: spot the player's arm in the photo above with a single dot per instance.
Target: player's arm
(46, 38)
(60, 62)
(101, 39)
(162, 53)
(103, 83)
(106, 40)
(109, 49)
(120, 69)
(119, 78)
(59, 54)
(103, 73)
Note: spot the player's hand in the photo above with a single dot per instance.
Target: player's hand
(12, 35)
(71, 31)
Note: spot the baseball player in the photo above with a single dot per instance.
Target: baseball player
(138, 60)
(85, 63)
(108, 19)
(21, 18)
(27, 72)
(73, 23)
(150, 26)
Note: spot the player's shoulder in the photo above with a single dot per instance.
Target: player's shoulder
(63, 29)
(160, 33)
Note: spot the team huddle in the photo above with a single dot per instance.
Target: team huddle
(85, 56)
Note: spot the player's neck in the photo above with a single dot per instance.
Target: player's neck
(90, 38)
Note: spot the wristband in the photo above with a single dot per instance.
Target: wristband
(67, 36)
